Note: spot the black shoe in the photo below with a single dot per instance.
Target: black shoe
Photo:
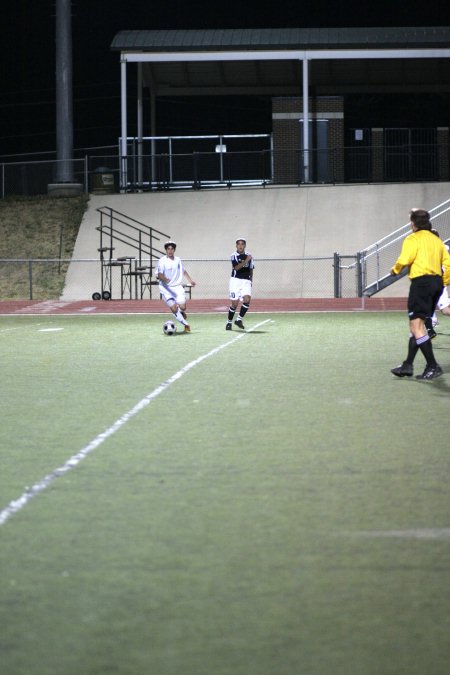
(228, 326)
(239, 324)
(431, 333)
(405, 370)
(430, 373)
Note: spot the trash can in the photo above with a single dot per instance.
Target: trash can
(103, 181)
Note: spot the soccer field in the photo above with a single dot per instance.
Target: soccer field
(271, 502)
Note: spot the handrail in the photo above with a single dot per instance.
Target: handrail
(137, 226)
(124, 215)
(406, 227)
(382, 275)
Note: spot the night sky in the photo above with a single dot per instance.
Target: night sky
(27, 95)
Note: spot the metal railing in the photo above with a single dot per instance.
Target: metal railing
(117, 226)
(139, 238)
(196, 169)
(376, 260)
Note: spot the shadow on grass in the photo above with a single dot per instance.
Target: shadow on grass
(256, 332)
(440, 386)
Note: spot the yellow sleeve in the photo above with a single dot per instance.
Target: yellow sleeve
(407, 255)
(446, 267)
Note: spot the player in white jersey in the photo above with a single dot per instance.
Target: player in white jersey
(240, 287)
(443, 305)
(170, 274)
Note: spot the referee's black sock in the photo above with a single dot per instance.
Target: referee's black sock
(413, 348)
(425, 346)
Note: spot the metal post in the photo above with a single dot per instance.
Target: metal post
(64, 112)
(153, 134)
(360, 273)
(272, 167)
(61, 226)
(140, 125)
(170, 161)
(337, 275)
(221, 158)
(123, 140)
(30, 278)
(306, 158)
(197, 182)
(86, 174)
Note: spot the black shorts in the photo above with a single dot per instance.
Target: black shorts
(424, 293)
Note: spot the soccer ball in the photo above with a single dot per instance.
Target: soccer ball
(169, 328)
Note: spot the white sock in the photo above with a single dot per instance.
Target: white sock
(180, 318)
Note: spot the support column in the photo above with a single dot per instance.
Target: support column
(140, 126)
(153, 131)
(306, 149)
(124, 132)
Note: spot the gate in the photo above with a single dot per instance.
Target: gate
(410, 154)
(347, 276)
(358, 155)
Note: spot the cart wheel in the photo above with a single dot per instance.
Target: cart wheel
(96, 296)
(106, 295)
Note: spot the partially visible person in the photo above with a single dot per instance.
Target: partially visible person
(429, 270)
(240, 285)
(443, 305)
(170, 274)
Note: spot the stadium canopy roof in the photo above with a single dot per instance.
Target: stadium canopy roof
(283, 62)
(258, 61)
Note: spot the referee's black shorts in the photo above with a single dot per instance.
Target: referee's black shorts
(424, 293)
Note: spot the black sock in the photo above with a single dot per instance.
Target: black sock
(243, 311)
(426, 348)
(413, 348)
(231, 313)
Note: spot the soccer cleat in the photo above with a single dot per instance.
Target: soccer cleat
(228, 326)
(405, 370)
(431, 333)
(239, 324)
(187, 328)
(430, 373)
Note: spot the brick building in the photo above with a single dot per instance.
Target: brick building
(326, 134)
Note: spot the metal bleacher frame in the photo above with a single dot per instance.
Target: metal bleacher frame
(135, 277)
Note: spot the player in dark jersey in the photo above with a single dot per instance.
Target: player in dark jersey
(240, 283)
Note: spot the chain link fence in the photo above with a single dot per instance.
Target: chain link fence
(44, 279)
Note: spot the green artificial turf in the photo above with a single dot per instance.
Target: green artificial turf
(279, 508)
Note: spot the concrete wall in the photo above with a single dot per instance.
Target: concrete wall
(276, 221)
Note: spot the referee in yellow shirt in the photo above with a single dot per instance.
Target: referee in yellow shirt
(429, 270)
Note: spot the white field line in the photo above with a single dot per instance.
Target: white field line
(18, 504)
(13, 328)
(418, 533)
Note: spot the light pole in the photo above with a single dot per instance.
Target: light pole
(64, 180)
